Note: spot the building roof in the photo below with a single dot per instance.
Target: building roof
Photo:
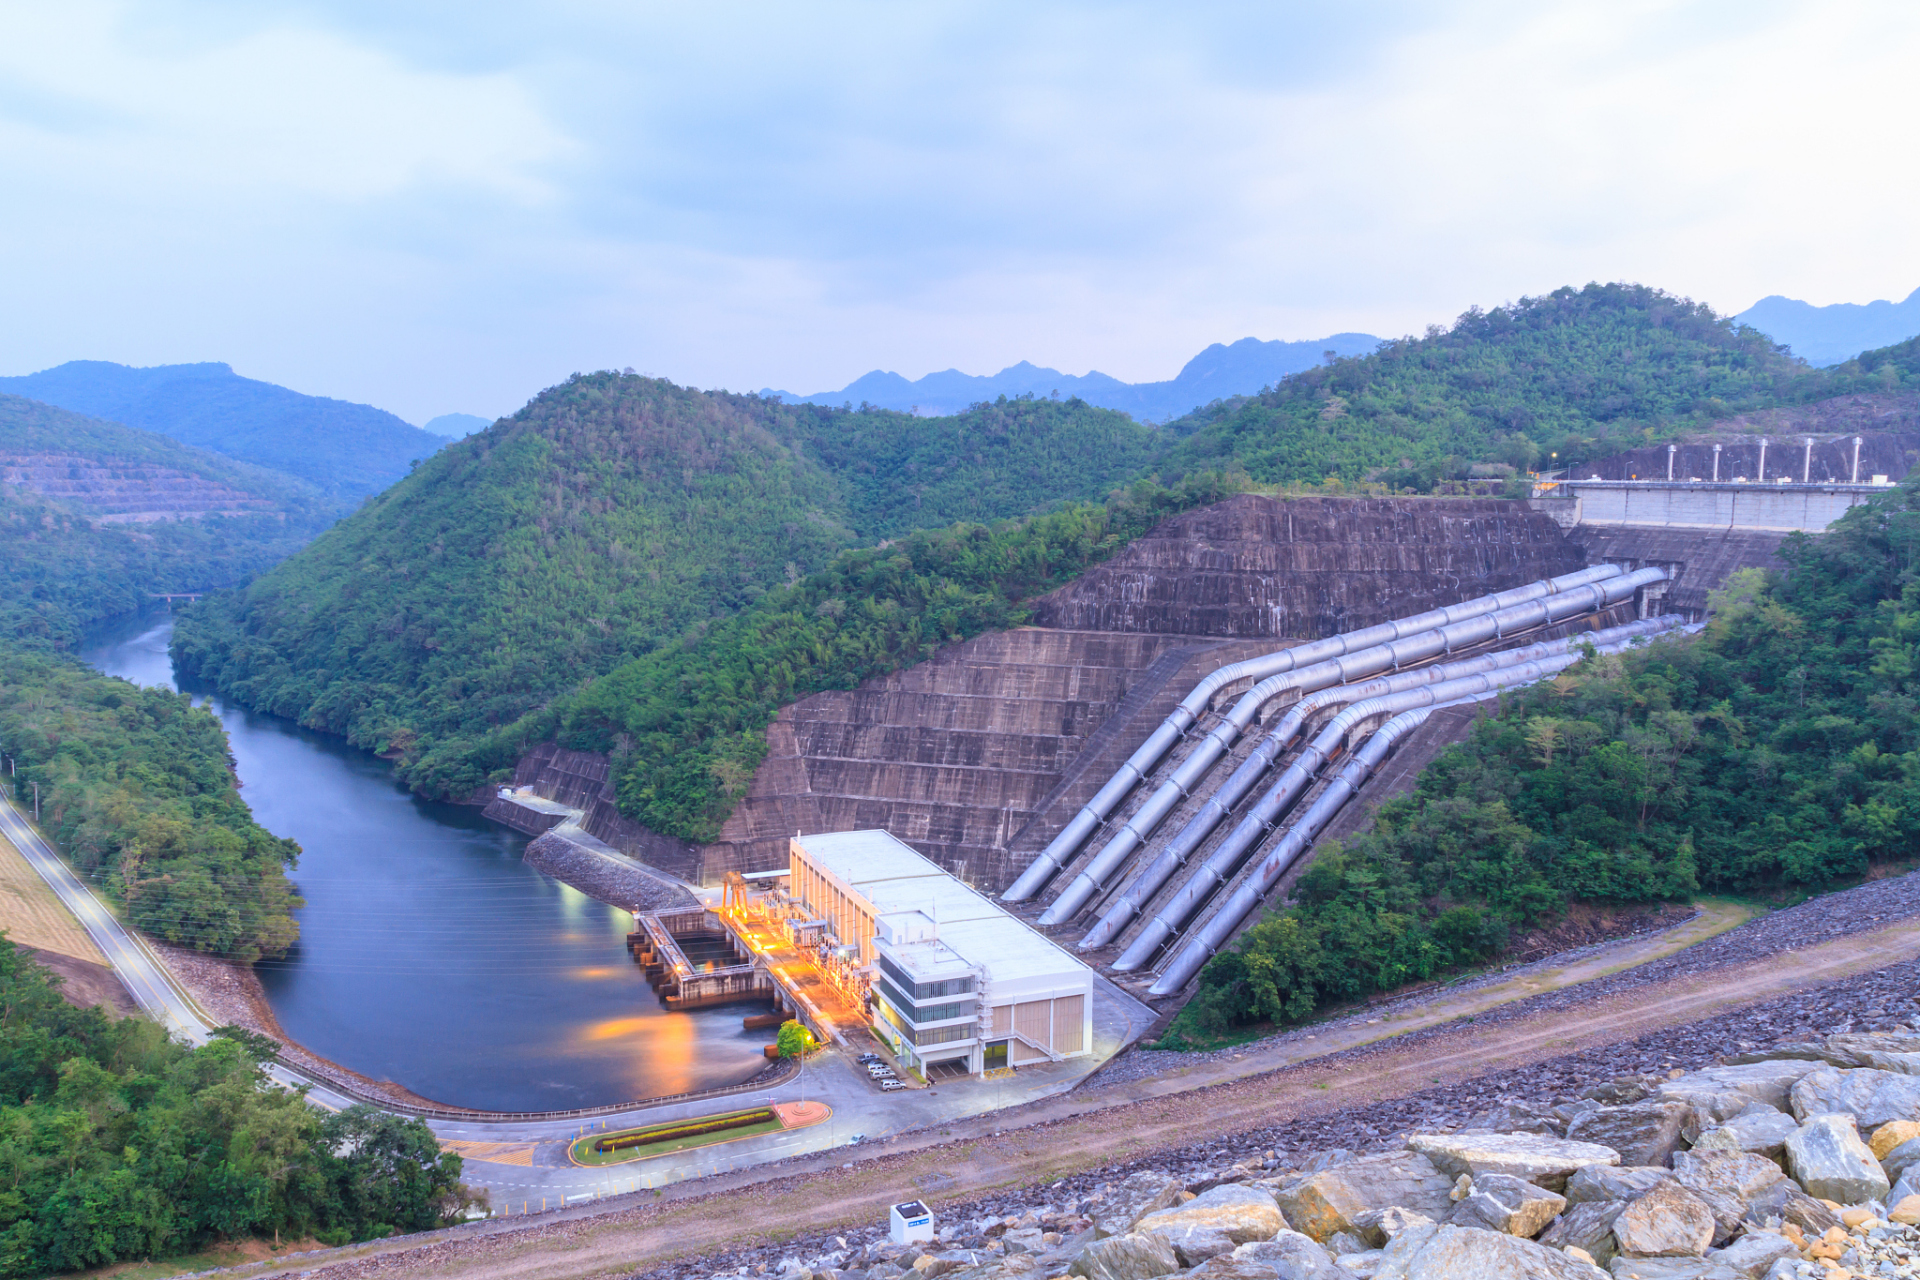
(897, 879)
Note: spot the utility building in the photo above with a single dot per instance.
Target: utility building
(954, 979)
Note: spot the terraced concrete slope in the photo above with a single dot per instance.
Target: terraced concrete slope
(978, 756)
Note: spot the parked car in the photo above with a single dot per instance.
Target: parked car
(880, 1073)
(869, 1058)
(888, 1086)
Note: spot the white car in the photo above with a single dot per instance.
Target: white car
(888, 1086)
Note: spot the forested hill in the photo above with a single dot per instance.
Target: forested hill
(342, 448)
(96, 517)
(1579, 372)
(604, 519)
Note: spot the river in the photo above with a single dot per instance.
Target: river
(429, 953)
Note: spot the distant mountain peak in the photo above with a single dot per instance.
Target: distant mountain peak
(343, 448)
(1241, 367)
(1835, 333)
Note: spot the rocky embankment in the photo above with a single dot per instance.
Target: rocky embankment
(1691, 1153)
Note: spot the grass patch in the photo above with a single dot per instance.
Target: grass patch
(677, 1135)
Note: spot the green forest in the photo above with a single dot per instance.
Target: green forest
(1778, 752)
(613, 516)
(61, 571)
(118, 1144)
(1578, 373)
(137, 789)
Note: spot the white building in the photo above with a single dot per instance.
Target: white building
(954, 978)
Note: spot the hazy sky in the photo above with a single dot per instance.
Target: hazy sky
(447, 207)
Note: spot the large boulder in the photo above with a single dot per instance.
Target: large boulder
(1909, 1185)
(1194, 1244)
(1827, 1158)
(1326, 1203)
(1667, 1222)
(1291, 1256)
(1885, 1050)
(1513, 1206)
(1546, 1162)
(1726, 1182)
(1889, 1136)
(1614, 1182)
(1240, 1212)
(1755, 1253)
(1871, 1097)
(1786, 1202)
(1377, 1227)
(1759, 1130)
(1137, 1256)
(1462, 1253)
(1587, 1225)
(1643, 1133)
(1228, 1267)
(1769, 1082)
(1899, 1159)
(1139, 1195)
(1672, 1269)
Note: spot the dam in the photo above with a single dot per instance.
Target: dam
(982, 757)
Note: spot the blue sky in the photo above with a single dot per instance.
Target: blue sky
(446, 207)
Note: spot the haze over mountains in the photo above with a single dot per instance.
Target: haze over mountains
(344, 449)
(1222, 370)
(1834, 334)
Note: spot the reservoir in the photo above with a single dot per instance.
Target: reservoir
(429, 953)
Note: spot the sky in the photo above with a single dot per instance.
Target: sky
(439, 208)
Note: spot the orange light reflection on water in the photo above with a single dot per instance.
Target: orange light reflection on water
(665, 1043)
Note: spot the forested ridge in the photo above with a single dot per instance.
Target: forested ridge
(61, 571)
(1778, 752)
(602, 522)
(1578, 372)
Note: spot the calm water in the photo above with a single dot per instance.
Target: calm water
(429, 954)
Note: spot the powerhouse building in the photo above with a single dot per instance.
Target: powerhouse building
(954, 979)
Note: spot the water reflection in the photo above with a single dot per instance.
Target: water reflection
(430, 954)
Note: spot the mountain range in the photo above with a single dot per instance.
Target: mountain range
(1834, 334)
(1221, 371)
(346, 450)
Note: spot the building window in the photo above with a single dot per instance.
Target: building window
(924, 990)
(922, 1013)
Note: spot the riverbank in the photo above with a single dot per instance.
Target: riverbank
(230, 993)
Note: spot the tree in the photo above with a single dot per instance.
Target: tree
(793, 1039)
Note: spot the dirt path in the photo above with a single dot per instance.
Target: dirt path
(1077, 1132)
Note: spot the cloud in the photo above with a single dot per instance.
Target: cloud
(435, 212)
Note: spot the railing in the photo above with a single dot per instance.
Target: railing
(784, 1071)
